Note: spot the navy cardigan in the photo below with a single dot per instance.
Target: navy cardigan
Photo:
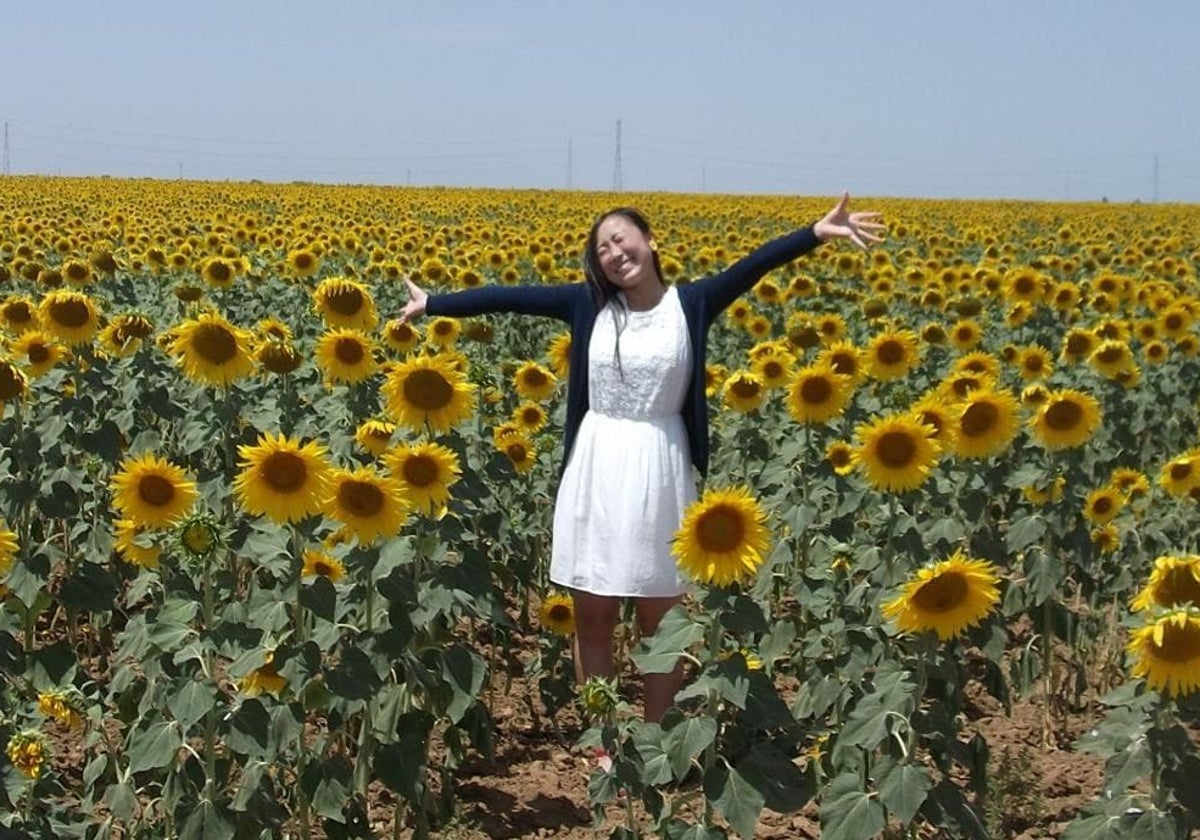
(702, 301)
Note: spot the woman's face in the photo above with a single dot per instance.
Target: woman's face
(626, 255)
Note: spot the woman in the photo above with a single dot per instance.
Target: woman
(637, 420)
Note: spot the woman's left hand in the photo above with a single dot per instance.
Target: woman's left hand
(860, 228)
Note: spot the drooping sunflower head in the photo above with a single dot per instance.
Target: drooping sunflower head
(426, 389)
(1066, 419)
(557, 614)
(136, 544)
(277, 356)
(1111, 358)
(212, 351)
(345, 303)
(14, 384)
(947, 597)
(282, 478)
(71, 317)
(1173, 582)
(987, 423)
(375, 436)
(817, 395)
(426, 471)
(896, 452)
(152, 492)
(723, 538)
(368, 503)
(1166, 651)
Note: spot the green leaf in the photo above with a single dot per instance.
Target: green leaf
(320, 598)
(1128, 767)
(686, 740)
(1045, 573)
(90, 588)
(784, 786)
(333, 788)
(902, 787)
(676, 633)
(700, 832)
(121, 800)
(945, 530)
(848, 812)
(735, 798)
(1154, 825)
(155, 746)
(95, 769)
(1024, 532)
(464, 671)
(249, 729)
(1099, 827)
(401, 765)
(656, 762)
(208, 822)
(190, 703)
(252, 775)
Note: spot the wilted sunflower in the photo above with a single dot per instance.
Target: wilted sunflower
(375, 436)
(1167, 653)
(27, 751)
(425, 389)
(1102, 505)
(723, 537)
(947, 597)
(534, 382)
(530, 417)
(281, 478)
(71, 317)
(427, 471)
(557, 614)
(1173, 582)
(212, 351)
(896, 452)
(277, 356)
(1067, 418)
(322, 564)
(345, 303)
(519, 449)
(151, 491)
(560, 355)
(817, 395)
(368, 503)
(743, 391)
(892, 354)
(401, 336)
(346, 356)
(133, 543)
(986, 424)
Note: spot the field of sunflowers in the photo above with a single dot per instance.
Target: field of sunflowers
(265, 551)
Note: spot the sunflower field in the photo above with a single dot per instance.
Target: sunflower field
(270, 557)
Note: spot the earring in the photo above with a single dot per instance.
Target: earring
(654, 246)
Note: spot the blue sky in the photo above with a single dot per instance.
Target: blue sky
(1066, 100)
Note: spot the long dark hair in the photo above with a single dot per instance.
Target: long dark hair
(603, 291)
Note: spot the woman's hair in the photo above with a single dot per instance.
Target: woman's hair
(603, 291)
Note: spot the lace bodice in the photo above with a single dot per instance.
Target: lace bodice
(656, 361)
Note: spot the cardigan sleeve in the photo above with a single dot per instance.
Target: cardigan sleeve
(724, 288)
(550, 301)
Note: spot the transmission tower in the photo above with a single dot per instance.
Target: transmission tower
(617, 162)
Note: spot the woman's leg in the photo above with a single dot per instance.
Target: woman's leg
(595, 620)
(660, 689)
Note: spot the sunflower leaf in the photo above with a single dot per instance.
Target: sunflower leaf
(902, 788)
(848, 812)
(676, 633)
(1024, 532)
(686, 740)
(736, 799)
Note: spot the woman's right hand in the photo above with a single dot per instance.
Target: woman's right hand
(415, 307)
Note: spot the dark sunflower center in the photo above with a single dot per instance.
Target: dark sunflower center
(302, 261)
(840, 456)
(446, 328)
(156, 490)
(38, 353)
(844, 363)
(214, 343)
(345, 300)
(772, 369)
(1181, 471)
(745, 388)
(285, 472)
(349, 351)
(531, 416)
(198, 538)
(720, 530)
(816, 390)
(942, 594)
(11, 385)
(1064, 415)
(1078, 345)
(219, 272)
(77, 272)
(1111, 355)
(420, 470)
(1034, 363)
(1173, 322)
(516, 451)
(560, 612)
(534, 378)
(323, 568)
(363, 499)
(1179, 586)
(964, 334)
(428, 390)
(70, 313)
(890, 352)
(979, 419)
(18, 312)
(1024, 286)
(1179, 644)
(896, 449)
(1102, 506)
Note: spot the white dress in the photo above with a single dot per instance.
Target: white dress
(629, 477)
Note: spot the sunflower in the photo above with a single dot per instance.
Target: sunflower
(774, 366)
(426, 471)
(152, 491)
(1066, 419)
(277, 356)
(264, 678)
(1111, 358)
(401, 336)
(133, 547)
(425, 389)
(13, 383)
(1044, 494)
(986, 423)
(1131, 482)
(375, 436)
(346, 355)
(714, 378)
(272, 329)
(845, 359)
(1156, 352)
(560, 355)
(199, 536)
(71, 317)
(8, 549)
(212, 351)
(939, 416)
(933, 334)
(319, 563)
(896, 452)
(76, 272)
(1078, 344)
(519, 449)
(530, 417)
(1102, 505)
(965, 335)
(557, 614)
(831, 326)
(302, 262)
(723, 537)
(840, 456)
(892, 354)
(218, 272)
(443, 332)
(281, 478)
(1106, 538)
(534, 382)
(1173, 582)
(19, 314)
(345, 303)
(113, 341)
(1175, 321)
(743, 391)
(368, 503)
(947, 597)
(1167, 653)
(1181, 474)
(817, 395)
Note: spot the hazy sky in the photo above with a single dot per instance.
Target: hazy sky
(1046, 99)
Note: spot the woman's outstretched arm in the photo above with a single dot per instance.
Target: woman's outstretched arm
(550, 301)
